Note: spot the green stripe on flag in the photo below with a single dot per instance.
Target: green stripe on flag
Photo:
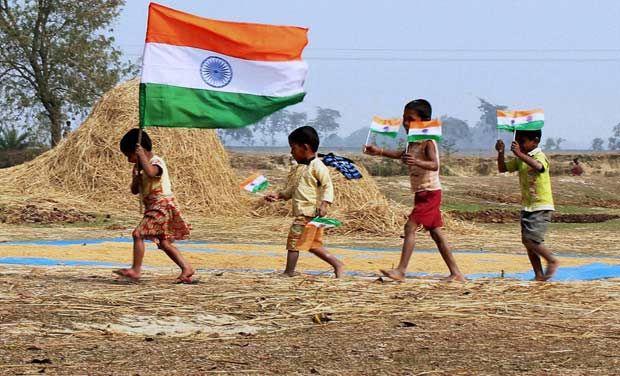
(261, 187)
(325, 222)
(180, 107)
(531, 126)
(387, 134)
(422, 137)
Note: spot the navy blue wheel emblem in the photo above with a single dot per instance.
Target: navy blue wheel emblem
(216, 72)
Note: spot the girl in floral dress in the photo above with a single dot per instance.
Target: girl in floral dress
(162, 222)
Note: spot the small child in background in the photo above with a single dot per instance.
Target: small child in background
(422, 159)
(162, 222)
(536, 197)
(312, 187)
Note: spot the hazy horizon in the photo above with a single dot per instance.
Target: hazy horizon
(367, 60)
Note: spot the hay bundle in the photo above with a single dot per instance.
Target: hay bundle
(87, 169)
(361, 206)
(358, 203)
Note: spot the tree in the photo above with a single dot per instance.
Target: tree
(485, 131)
(550, 144)
(325, 121)
(558, 142)
(614, 140)
(456, 133)
(244, 135)
(597, 144)
(55, 57)
(297, 119)
(11, 139)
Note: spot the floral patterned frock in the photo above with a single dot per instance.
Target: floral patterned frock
(162, 217)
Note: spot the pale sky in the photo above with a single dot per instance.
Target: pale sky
(370, 58)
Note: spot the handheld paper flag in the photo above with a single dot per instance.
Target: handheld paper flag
(530, 120)
(323, 222)
(204, 73)
(386, 127)
(255, 183)
(424, 130)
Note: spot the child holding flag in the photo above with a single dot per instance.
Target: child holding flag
(313, 186)
(162, 222)
(422, 158)
(536, 196)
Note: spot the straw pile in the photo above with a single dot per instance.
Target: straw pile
(343, 327)
(360, 205)
(88, 169)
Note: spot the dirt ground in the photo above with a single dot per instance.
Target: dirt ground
(83, 321)
(80, 321)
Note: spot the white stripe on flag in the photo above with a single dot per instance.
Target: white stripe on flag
(180, 66)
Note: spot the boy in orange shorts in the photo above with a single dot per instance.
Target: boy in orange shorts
(310, 187)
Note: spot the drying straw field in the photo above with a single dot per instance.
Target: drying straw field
(76, 322)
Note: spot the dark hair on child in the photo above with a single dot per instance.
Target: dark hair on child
(530, 135)
(421, 107)
(130, 140)
(305, 135)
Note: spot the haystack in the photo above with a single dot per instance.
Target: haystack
(360, 205)
(88, 170)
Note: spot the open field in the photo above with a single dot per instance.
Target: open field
(81, 320)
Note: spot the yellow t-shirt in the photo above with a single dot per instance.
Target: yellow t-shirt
(309, 186)
(535, 186)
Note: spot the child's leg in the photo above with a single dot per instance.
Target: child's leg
(398, 274)
(138, 256)
(542, 251)
(291, 263)
(175, 255)
(448, 258)
(330, 259)
(535, 261)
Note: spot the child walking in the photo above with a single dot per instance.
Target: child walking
(422, 158)
(162, 222)
(536, 197)
(312, 192)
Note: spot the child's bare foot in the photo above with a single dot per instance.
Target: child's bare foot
(186, 276)
(552, 267)
(454, 277)
(339, 270)
(394, 274)
(128, 273)
(287, 273)
(539, 277)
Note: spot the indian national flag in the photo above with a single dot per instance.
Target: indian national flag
(204, 73)
(528, 120)
(424, 130)
(324, 222)
(386, 127)
(255, 183)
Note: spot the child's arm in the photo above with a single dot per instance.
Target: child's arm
(287, 192)
(149, 169)
(327, 188)
(533, 163)
(501, 162)
(377, 151)
(431, 153)
(135, 180)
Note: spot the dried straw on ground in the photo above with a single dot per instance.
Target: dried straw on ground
(87, 169)
(360, 205)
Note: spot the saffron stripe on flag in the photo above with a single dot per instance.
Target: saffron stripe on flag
(239, 39)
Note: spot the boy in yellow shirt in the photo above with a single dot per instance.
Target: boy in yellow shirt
(536, 197)
(311, 188)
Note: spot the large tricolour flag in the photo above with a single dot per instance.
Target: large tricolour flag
(527, 120)
(386, 127)
(424, 130)
(204, 73)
